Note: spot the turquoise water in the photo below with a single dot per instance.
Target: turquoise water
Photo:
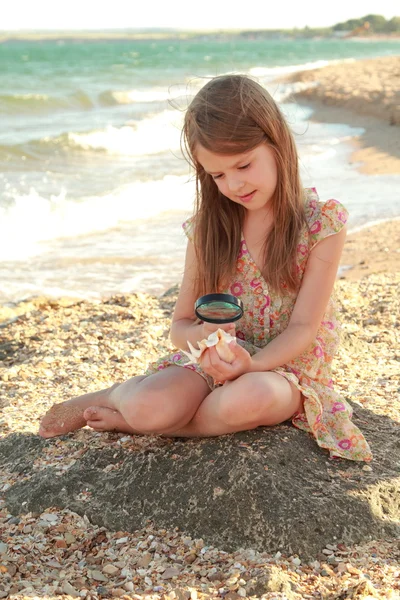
(92, 184)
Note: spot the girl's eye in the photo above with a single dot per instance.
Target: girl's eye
(245, 166)
(215, 177)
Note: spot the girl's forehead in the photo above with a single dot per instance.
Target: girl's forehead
(209, 160)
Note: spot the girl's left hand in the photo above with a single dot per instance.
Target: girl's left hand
(222, 371)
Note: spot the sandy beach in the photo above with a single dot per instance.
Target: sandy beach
(53, 349)
(363, 93)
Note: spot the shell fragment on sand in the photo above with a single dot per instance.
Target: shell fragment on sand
(220, 339)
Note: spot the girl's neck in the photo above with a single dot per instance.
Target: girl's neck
(260, 221)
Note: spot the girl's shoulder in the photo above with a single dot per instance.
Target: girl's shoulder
(188, 227)
(323, 218)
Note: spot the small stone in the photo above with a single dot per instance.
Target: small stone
(331, 546)
(102, 591)
(110, 570)
(98, 576)
(145, 560)
(49, 517)
(341, 568)
(117, 592)
(327, 552)
(128, 586)
(170, 572)
(367, 468)
(324, 573)
(296, 561)
(3, 548)
(68, 589)
(217, 576)
(190, 558)
(69, 538)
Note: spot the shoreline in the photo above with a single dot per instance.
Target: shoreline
(371, 249)
(364, 93)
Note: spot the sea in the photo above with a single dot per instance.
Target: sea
(93, 184)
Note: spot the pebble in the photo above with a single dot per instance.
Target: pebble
(68, 589)
(98, 576)
(128, 586)
(110, 569)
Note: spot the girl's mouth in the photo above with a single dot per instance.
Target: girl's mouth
(247, 197)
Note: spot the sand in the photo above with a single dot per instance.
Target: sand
(363, 93)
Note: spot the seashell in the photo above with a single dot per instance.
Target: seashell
(220, 339)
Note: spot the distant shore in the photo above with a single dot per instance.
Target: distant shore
(76, 35)
(362, 93)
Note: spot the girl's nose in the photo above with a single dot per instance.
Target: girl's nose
(235, 184)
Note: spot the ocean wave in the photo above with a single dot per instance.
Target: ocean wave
(58, 216)
(42, 103)
(157, 133)
(272, 72)
(116, 97)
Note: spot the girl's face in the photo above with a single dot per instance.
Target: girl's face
(249, 179)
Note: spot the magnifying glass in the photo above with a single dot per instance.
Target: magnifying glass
(218, 308)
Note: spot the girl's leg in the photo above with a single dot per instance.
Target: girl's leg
(252, 400)
(156, 403)
(67, 416)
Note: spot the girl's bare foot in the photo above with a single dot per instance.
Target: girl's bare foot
(68, 416)
(101, 418)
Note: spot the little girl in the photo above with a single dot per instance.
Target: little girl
(258, 235)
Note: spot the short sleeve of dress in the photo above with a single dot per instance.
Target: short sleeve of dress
(188, 227)
(326, 218)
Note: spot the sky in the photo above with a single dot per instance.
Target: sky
(184, 14)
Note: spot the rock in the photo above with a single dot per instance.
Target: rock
(110, 570)
(289, 508)
(68, 589)
(98, 576)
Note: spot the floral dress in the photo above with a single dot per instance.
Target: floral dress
(325, 414)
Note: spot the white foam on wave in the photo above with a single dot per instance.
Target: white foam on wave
(131, 96)
(287, 69)
(158, 133)
(32, 220)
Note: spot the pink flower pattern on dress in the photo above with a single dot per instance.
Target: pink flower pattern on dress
(326, 415)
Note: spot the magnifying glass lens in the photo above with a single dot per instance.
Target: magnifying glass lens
(219, 308)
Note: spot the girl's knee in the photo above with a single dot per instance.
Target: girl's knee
(247, 401)
(148, 411)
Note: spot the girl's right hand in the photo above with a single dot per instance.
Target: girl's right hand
(208, 328)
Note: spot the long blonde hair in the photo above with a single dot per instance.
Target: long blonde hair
(232, 114)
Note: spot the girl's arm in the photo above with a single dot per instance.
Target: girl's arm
(309, 309)
(310, 306)
(185, 325)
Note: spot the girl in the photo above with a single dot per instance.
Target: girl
(258, 235)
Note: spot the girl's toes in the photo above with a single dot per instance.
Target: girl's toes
(91, 413)
(101, 418)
